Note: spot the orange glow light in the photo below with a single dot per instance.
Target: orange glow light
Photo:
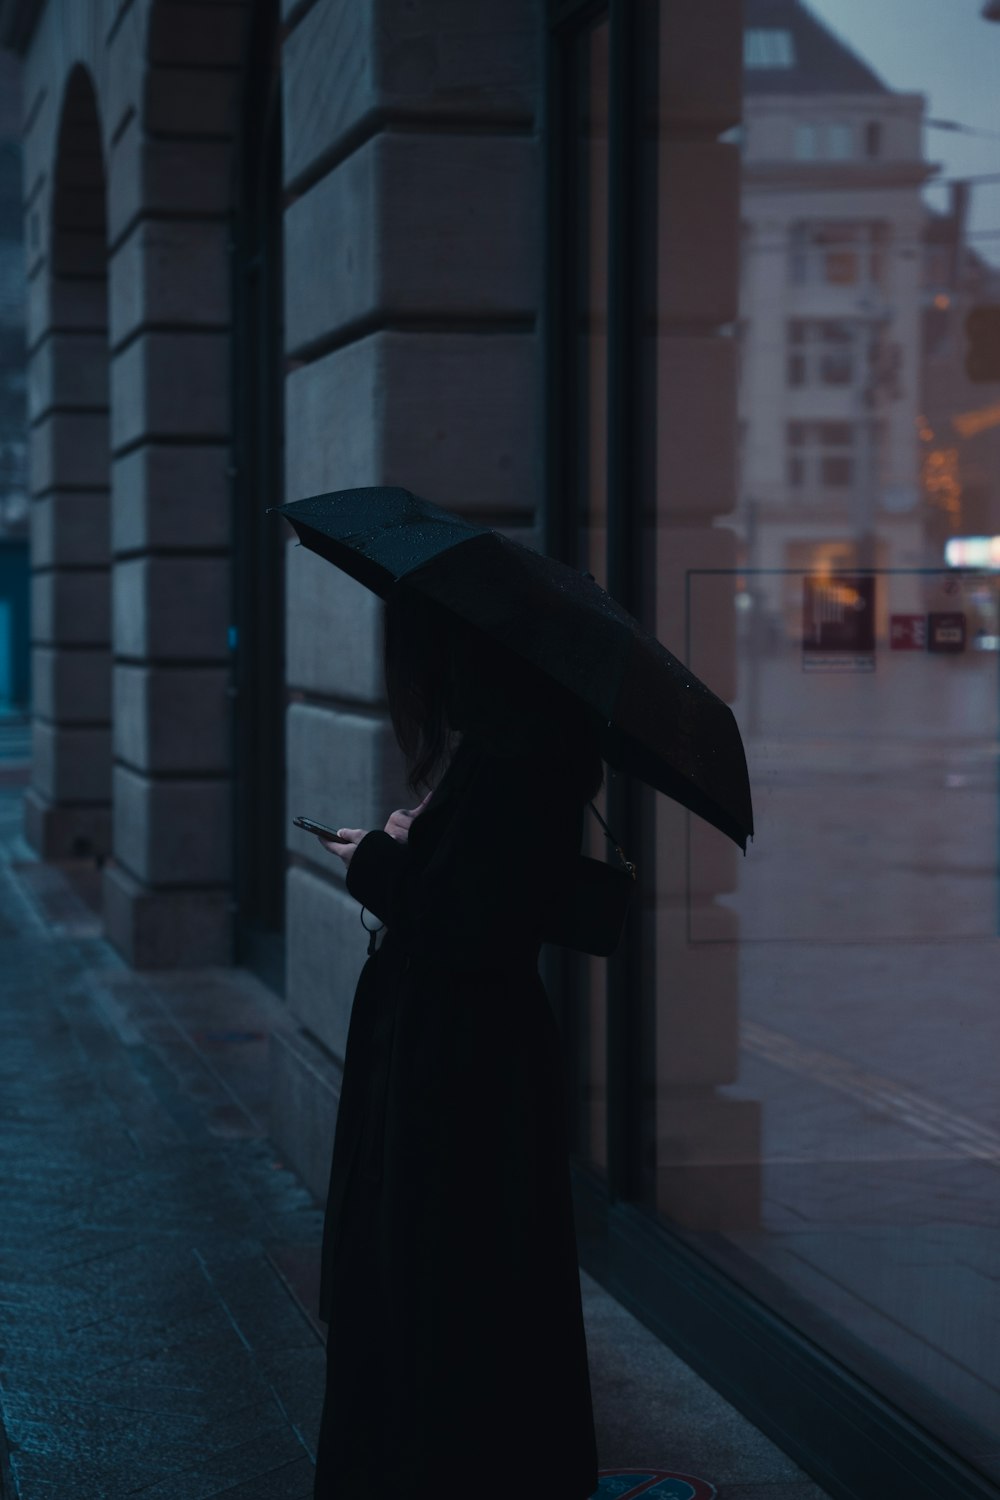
(941, 482)
(968, 423)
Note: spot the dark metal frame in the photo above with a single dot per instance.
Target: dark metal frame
(258, 677)
(839, 1429)
(625, 968)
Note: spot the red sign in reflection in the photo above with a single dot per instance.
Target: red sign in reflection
(908, 632)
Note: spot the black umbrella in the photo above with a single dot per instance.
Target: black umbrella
(662, 724)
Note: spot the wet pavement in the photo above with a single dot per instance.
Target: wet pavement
(159, 1262)
(150, 1342)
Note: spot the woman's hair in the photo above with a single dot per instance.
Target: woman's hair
(444, 678)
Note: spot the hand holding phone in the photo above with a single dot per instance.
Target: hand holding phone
(310, 826)
(345, 840)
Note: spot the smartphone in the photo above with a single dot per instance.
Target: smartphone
(312, 827)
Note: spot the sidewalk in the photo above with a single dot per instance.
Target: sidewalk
(159, 1263)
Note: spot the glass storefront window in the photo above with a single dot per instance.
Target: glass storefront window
(824, 1121)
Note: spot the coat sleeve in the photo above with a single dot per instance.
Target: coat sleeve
(492, 878)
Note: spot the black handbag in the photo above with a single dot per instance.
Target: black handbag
(589, 912)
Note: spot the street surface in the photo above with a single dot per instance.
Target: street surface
(149, 1340)
(870, 1025)
(159, 1263)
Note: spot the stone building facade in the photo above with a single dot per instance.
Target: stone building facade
(487, 250)
(273, 251)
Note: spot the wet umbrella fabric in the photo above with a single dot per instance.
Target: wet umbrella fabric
(661, 722)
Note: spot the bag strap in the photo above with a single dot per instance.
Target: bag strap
(630, 867)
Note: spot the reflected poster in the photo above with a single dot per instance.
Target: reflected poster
(838, 623)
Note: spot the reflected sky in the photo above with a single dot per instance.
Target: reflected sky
(946, 51)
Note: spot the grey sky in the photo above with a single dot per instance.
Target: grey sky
(944, 50)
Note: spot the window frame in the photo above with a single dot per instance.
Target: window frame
(257, 372)
(813, 244)
(768, 49)
(812, 447)
(809, 348)
(559, 509)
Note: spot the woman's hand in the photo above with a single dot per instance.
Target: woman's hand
(349, 838)
(345, 844)
(399, 821)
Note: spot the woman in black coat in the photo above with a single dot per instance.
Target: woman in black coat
(456, 1354)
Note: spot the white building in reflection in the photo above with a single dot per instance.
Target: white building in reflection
(830, 310)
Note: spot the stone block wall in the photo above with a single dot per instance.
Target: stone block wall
(412, 273)
(168, 891)
(129, 120)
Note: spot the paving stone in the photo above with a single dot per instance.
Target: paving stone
(100, 1433)
(292, 1481)
(254, 1461)
(42, 1476)
(147, 1343)
(132, 1391)
(802, 1490)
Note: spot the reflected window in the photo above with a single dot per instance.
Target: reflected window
(768, 47)
(839, 142)
(815, 140)
(820, 457)
(873, 138)
(839, 253)
(806, 142)
(821, 352)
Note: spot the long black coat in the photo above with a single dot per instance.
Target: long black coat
(456, 1354)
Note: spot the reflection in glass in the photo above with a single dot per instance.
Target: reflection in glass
(826, 1123)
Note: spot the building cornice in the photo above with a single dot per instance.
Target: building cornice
(822, 176)
(18, 19)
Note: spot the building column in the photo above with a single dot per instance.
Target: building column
(167, 888)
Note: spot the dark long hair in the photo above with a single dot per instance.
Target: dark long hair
(444, 679)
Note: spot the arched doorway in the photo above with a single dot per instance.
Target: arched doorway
(68, 804)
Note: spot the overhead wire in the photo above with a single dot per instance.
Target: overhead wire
(956, 126)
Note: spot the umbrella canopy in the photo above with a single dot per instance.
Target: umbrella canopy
(661, 723)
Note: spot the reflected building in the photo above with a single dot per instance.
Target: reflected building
(830, 309)
(958, 427)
